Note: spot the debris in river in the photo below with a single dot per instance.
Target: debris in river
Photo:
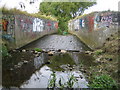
(25, 62)
(11, 69)
(23, 50)
(50, 53)
(89, 52)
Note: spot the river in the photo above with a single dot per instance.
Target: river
(27, 68)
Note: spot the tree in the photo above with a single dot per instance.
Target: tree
(64, 11)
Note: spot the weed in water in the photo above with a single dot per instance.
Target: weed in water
(38, 49)
(71, 81)
(52, 81)
(69, 84)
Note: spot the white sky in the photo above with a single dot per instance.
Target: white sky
(104, 5)
(100, 6)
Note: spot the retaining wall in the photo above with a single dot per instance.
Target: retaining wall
(93, 29)
(19, 30)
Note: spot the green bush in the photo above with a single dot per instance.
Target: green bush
(60, 31)
(103, 81)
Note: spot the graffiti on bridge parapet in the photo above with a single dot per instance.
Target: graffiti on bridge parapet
(38, 25)
(105, 20)
(8, 26)
(20, 29)
(24, 23)
(95, 21)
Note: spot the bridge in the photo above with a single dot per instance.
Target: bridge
(64, 54)
(92, 29)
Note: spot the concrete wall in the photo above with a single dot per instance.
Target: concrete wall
(19, 30)
(94, 28)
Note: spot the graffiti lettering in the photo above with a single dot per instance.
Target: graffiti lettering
(25, 24)
(82, 23)
(38, 25)
(95, 21)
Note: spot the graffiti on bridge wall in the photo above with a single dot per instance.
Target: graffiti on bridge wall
(24, 23)
(82, 23)
(31, 26)
(105, 20)
(76, 25)
(56, 25)
(18, 30)
(8, 26)
(91, 23)
(38, 25)
(95, 21)
(50, 25)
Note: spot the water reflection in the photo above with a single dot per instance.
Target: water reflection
(35, 73)
(82, 58)
(40, 60)
(19, 67)
(40, 78)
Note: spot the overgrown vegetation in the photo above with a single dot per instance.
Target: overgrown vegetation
(107, 60)
(54, 84)
(16, 12)
(104, 82)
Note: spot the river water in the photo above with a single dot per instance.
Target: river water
(26, 68)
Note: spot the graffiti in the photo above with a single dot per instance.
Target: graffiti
(96, 21)
(8, 37)
(76, 25)
(5, 24)
(56, 25)
(38, 25)
(8, 26)
(82, 23)
(105, 20)
(48, 23)
(18, 30)
(24, 23)
(91, 23)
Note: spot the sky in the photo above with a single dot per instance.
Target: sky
(34, 7)
(104, 5)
